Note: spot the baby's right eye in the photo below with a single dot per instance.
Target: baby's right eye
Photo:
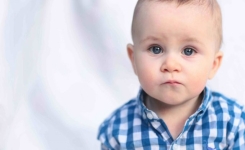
(156, 49)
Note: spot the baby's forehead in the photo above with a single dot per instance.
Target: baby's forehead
(209, 3)
(206, 5)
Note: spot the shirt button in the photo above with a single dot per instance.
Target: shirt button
(149, 115)
(176, 147)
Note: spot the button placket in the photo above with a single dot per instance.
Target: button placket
(149, 115)
(175, 147)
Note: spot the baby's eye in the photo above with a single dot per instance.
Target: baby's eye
(156, 49)
(188, 51)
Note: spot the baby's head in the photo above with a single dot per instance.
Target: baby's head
(176, 47)
(210, 6)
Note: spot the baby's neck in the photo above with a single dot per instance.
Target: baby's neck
(174, 116)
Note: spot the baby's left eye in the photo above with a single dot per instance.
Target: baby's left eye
(156, 49)
(188, 51)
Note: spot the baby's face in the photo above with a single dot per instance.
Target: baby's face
(174, 51)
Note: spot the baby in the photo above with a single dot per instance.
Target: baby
(176, 50)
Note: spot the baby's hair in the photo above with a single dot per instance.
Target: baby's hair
(212, 5)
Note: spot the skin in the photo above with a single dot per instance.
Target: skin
(172, 79)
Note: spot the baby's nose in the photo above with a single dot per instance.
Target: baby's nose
(170, 64)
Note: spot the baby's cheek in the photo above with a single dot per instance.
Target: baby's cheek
(197, 83)
(145, 78)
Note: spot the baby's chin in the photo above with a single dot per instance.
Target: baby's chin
(169, 99)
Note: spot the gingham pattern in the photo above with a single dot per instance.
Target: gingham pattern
(217, 124)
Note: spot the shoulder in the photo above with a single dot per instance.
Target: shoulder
(117, 123)
(120, 113)
(225, 104)
(228, 111)
(226, 118)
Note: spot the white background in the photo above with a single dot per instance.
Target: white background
(64, 68)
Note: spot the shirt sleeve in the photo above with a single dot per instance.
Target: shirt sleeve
(108, 142)
(103, 147)
(239, 139)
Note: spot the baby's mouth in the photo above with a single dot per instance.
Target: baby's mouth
(172, 82)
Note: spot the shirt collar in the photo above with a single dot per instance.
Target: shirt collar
(148, 114)
(207, 98)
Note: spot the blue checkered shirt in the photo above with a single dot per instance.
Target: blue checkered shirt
(219, 123)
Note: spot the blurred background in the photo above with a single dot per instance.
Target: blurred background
(64, 68)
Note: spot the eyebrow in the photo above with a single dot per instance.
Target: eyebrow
(152, 38)
(191, 39)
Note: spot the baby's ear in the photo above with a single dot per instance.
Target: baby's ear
(216, 64)
(130, 50)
